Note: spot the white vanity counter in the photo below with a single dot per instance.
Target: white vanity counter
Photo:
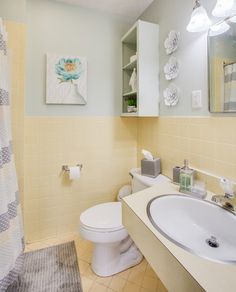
(177, 268)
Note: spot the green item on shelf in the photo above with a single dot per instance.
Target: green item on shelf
(131, 102)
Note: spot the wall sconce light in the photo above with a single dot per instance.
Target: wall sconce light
(223, 8)
(219, 28)
(199, 19)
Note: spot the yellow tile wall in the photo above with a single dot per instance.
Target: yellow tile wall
(16, 44)
(107, 148)
(209, 143)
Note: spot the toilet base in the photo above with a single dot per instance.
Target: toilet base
(112, 258)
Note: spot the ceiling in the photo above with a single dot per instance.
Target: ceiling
(127, 8)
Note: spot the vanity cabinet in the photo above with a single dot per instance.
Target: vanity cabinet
(141, 40)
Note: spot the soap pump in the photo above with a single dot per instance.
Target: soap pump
(186, 177)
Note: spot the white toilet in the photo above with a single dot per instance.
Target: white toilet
(114, 250)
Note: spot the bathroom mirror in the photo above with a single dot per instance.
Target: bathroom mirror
(222, 66)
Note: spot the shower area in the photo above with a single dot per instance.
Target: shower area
(11, 95)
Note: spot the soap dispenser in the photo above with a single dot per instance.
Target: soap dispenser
(186, 178)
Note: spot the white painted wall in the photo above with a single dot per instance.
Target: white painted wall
(192, 53)
(14, 10)
(60, 28)
(131, 8)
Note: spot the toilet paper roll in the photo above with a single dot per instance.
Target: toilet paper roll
(74, 172)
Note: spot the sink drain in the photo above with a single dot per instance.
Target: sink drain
(212, 242)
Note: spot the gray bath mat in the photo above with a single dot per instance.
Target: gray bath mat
(53, 269)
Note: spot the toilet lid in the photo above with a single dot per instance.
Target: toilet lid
(105, 216)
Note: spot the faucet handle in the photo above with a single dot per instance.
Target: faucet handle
(228, 187)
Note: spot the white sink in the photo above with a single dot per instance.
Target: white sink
(200, 227)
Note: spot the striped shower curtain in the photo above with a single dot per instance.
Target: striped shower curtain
(230, 87)
(11, 232)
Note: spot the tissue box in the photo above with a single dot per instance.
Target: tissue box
(151, 168)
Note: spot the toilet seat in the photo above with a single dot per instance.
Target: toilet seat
(106, 217)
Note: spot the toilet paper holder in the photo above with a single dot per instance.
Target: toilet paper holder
(66, 167)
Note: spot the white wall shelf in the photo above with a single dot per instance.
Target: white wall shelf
(131, 93)
(142, 39)
(130, 66)
(129, 115)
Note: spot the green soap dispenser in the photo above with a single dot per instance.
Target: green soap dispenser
(186, 178)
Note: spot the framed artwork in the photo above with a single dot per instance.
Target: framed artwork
(66, 80)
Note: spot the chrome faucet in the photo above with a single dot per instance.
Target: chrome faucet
(228, 200)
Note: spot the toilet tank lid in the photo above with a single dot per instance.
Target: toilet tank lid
(147, 181)
(103, 216)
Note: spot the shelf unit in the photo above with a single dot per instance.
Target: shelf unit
(130, 66)
(131, 93)
(142, 39)
(129, 115)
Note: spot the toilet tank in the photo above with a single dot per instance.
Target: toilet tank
(140, 182)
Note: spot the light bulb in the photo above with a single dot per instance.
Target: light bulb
(199, 19)
(223, 8)
(219, 28)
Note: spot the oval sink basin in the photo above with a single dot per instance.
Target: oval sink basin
(198, 226)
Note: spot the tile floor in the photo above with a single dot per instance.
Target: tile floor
(140, 278)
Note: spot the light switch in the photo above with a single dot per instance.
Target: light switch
(197, 99)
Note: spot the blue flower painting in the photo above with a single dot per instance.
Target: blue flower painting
(68, 69)
(66, 79)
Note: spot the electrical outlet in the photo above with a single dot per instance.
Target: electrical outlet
(196, 99)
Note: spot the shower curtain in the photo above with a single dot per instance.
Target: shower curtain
(230, 87)
(11, 232)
